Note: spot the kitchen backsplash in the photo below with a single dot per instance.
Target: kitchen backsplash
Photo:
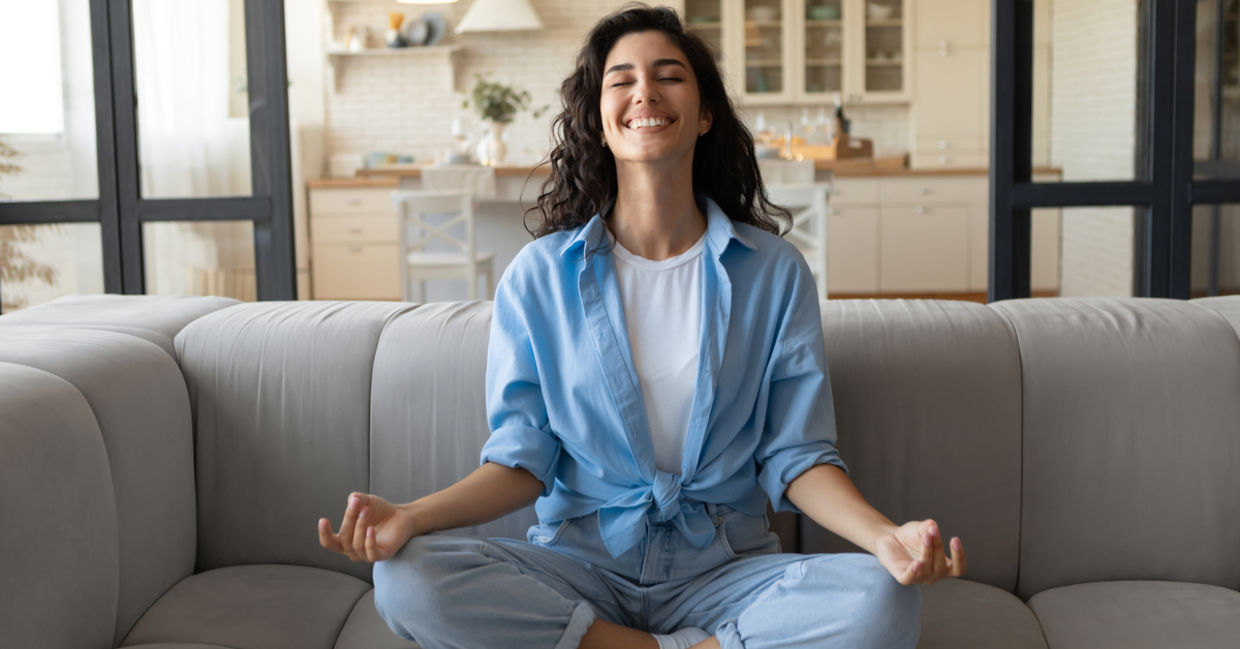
(402, 104)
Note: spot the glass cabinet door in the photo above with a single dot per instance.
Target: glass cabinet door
(763, 39)
(705, 18)
(824, 46)
(883, 47)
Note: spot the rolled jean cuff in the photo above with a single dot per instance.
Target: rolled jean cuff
(578, 624)
(728, 636)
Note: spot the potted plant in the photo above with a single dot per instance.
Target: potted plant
(15, 266)
(497, 104)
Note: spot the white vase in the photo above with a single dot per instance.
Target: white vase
(491, 149)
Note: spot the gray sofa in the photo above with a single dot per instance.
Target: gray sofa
(163, 462)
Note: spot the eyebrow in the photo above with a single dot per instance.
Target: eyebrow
(629, 66)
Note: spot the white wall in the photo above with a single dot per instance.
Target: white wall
(405, 105)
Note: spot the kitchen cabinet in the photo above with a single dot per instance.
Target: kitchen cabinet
(807, 51)
(923, 234)
(951, 55)
(354, 246)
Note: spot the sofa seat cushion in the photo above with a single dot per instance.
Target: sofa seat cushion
(1139, 615)
(961, 613)
(253, 607)
(366, 630)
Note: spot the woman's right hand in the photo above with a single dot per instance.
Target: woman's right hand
(373, 529)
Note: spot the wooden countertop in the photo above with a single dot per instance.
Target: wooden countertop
(864, 168)
(336, 183)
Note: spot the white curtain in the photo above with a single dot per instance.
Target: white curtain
(189, 146)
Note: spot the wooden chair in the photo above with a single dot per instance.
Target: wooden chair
(808, 204)
(429, 246)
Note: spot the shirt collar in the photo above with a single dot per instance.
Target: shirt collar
(720, 230)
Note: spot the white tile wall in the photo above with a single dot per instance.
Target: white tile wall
(1093, 136)
(401, 104)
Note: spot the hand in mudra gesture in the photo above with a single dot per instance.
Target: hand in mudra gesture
(913, 554)
(373, 529)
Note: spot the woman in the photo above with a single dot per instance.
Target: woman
(655, 376)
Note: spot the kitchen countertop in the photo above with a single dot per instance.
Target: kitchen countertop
(869, 167)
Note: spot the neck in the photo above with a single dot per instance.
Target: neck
(655, 215)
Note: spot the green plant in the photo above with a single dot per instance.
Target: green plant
(498, 102)
(15, 266)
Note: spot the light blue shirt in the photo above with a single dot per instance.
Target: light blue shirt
(564, 402)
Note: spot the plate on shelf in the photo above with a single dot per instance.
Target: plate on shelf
(415, 31)
(437, 25)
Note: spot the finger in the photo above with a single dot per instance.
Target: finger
(350, 523)
(326, 538)
(372, 547)
(959, 563)
(359, 533)
(912, 575)
(937, 563)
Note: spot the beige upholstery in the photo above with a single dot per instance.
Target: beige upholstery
(281, 394)
(1131, 442)
(58, 548)
(139, 403)
(177, 452)
(920, 386)
(1138, 615)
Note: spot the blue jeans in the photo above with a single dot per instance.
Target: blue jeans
(465, 593)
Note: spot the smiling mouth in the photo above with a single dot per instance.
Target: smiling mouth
(647, 123)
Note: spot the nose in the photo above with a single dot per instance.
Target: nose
(644, 91)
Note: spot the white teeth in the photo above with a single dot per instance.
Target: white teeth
(647, 122)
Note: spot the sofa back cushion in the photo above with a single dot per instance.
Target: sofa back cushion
(137, 395)
(927, 409)
(58, 553)
(428, 406)
(281, 399)
(1131, 442)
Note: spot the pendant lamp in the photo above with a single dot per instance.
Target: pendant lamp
(499, 16)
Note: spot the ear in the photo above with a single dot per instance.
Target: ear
(704, 123)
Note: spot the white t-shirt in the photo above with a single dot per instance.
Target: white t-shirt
(662, 307)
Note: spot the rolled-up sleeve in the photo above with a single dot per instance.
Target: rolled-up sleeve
(516, 411)
(800, 418)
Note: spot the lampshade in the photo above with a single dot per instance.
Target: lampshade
(499, 16)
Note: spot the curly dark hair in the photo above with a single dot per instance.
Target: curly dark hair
(583, 171)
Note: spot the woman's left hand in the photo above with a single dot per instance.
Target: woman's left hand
(913, 554)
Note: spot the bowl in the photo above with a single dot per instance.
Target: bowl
(763, 13)
(876, 11)
(820, 12)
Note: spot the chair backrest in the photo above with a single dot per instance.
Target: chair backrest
(808, 204)
(419, 228)
(777, 171)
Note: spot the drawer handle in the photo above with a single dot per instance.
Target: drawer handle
(355, 201)
(926, 191)
(355, 230)
(922, 209)
(356, 250)
(942, 145)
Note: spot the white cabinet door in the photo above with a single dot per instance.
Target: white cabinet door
(924, 248)
(956, 23)
(356, 272)
(852, 250)
(952, 94)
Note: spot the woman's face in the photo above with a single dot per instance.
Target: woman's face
(651, 109)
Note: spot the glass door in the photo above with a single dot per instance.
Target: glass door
(763, 45)
(884, 46)
(705, 19)
(824, 46)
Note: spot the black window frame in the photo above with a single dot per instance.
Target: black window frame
(120, 210)
(1164, 190)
